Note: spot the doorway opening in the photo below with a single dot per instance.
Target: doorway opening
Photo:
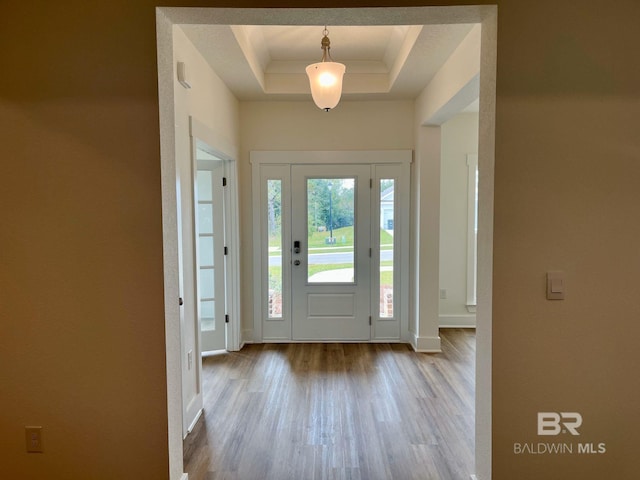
(483, 15)
(210, 249)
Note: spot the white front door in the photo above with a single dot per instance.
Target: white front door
(331, 245)
(330, 252)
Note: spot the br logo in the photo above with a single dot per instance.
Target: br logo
(553, 423)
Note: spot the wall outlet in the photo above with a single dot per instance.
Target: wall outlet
(33, 437)
(443, 294)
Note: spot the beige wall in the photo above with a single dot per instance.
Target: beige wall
(302, 126)
(82, 343)
(566, 198)
(211, 105)
(82, 340)
(208, 100)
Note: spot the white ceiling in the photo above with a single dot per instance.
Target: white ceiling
(383, 62)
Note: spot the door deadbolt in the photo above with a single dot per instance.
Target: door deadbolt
(296, 246)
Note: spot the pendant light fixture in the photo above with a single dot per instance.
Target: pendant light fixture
(325, 77)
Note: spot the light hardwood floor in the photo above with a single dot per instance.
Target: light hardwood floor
(337, 411)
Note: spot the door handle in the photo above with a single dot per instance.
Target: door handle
(180, 301)
(296, 262)
(296, 246)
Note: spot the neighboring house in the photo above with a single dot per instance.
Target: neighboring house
(386, 209)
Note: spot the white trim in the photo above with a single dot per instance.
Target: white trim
(255, 334)
(352, 157)
(195, 420)
(233, 240)
(457, 321)
(223, 147)
(166, 17)
(185, 476)
(473, 477)
(472, 241)
(486, 173)
(426, 344)
(486, 168)
(403, 199)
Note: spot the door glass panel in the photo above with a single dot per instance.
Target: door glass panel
(204, 185)
(387, 214)
(206, 250)
(274, 227)
(330, 227)
(207, 315)
(205, 217)
(207, 283)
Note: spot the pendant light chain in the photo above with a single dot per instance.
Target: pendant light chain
(326, 46)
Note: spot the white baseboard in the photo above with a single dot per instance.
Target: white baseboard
(457, 321)
(185, 476)
(426, 344)
(195, 420)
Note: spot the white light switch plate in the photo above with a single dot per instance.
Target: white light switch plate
(555, 286)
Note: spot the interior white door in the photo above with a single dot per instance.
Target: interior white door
(210, 252)
(331, 241)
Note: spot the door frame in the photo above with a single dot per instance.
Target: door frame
(258, 158)
(198, 130)
(487, 17)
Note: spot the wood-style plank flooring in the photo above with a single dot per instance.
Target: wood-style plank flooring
(337, 411)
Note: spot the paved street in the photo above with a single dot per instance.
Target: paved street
(328, 258)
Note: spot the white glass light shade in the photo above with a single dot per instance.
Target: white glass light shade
(325, 79)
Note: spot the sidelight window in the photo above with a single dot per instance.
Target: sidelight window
(274, 232)
(387, 244)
